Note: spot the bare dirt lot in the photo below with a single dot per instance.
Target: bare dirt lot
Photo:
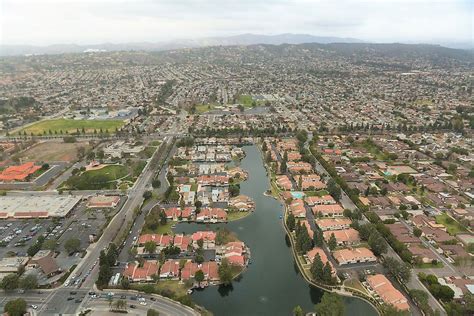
(53, 151)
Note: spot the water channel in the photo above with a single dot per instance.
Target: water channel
(272, 284)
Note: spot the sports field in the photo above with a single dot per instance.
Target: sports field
(61, 126)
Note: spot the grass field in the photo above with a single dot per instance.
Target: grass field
(61, 126)
(451, 225)
(316, 193)
(246, 100)
(53, 151)
(104, 178)
(113, 172)
(203, 108)
(235, 215)
(429, 265)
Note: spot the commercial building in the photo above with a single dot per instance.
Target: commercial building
(44, 206)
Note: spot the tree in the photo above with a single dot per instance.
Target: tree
(298, 311)
(72, 245)
(152, 312)
(331, 305)
(290, 222)
(334, 189)
(28, 282)
(283, 166)
(199, 276)
(390, 310)
(9, 282)
(156, 183)
(125, 283)
(397, 269)
(316, 268)
(150, 246)
(147, 195)
(318, 238)
(417, 232)
(327, 273)
(377, 243)
(303, 241)
(50, 244)
(332, 243)
(225, 272)
(16, 307)
(200, 243)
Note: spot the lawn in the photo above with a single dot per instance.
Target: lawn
(53, 151)
(451, 225)
(104, 178)
(246, 100)
(113, 172)
(354, 283)
(61, 126)
(173, 287)
(235, 215)
(316, 193)
(162, 229)
(429, 265)
(202, 108)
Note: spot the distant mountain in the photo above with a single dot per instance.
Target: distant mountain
(243, 39)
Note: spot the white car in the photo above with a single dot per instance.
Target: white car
(143, 303)
(34, 306)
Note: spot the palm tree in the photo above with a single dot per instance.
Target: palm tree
(121, 305)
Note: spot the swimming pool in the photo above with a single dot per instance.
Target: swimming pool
(297, 194)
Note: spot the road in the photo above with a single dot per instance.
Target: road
(450, 269)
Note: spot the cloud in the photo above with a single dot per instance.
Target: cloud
(97, 21)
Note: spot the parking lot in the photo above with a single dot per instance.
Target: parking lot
(16, 236)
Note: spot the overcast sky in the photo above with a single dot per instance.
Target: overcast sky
(43, 22)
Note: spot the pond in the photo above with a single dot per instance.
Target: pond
(272, 283)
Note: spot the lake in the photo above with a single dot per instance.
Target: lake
(272, 284)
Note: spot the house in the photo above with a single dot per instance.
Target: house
(170, 269)
(298, 167)
(348, 236)
(331, 210)
(183, 242)
(333, 223)
(284, 183)
(424, 254)
(320, 200)
(210, 270)
(242, 203)
(189, 270)
(309, 182)
(324, 258)
(388, 293)
(355, 255)
(161, 241)
(308, 228)
(208, 237)
(136, 273)
(297, 208)
(234, 252)
(211, 215)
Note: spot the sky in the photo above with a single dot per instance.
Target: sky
(46, 22)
